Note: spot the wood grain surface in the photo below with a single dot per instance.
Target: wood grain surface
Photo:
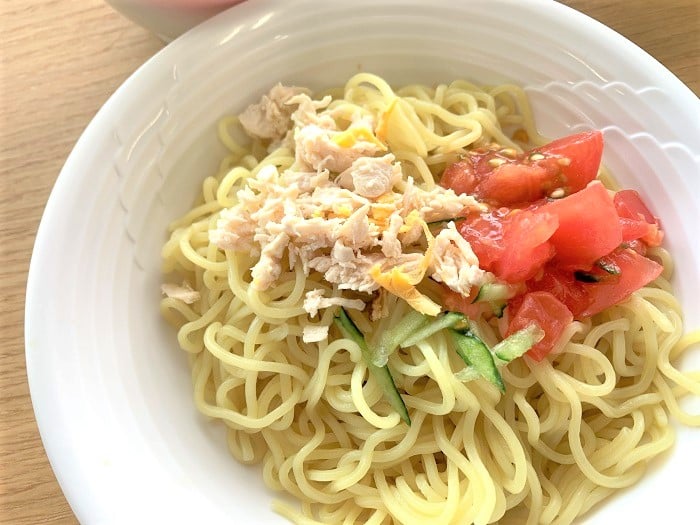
(60, 61)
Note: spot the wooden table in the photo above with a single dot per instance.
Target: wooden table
(61, 59)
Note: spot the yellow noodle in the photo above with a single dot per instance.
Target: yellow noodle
(566, 434)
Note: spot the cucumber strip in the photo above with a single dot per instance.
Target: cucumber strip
(515, 345)
(498, 308)
(447, 320)
(493, 292)
(468, 373)
(475, 353)
(445, 221)
(390, 339)
(381, 374)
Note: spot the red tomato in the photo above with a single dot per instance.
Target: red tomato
(485, 234)
(585, 299)
(636, 220)
(635, 271)
(584, 152)
(502, 177)
(563, 285)
(511, 244)
(526, 248)
(588, 226)
(545, 310)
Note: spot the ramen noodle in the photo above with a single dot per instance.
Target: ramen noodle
(328, 211)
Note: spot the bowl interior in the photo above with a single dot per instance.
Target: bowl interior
(112, 389)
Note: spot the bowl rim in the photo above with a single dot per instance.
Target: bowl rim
(208, 33)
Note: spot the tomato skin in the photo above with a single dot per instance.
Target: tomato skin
(584, 151)
(563, 285)
(550, 314)
(636, 271)
(513, 183)
(526, 246)
(460, 176)
(636, 220)
(502, 177)
(589, 227)
(587, 299)
(511, 244)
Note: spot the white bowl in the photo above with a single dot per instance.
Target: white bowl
(110, 387)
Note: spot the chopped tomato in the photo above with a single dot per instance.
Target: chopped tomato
(636, 220)
(635, 271)
(502, 177)
(588, 226)
(563, 285)
(583, 150)
(511, 244)
(577, 255)
(526, 248)
(627, 271)
(546, 311)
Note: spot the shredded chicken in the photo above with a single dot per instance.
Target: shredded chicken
(183, 292)
(454, 262)
(337, 211)
(271, 117)
(318, 148)
(314, 301)
(314, 334)
(371, 176)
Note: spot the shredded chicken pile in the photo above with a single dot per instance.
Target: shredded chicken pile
(343, 209)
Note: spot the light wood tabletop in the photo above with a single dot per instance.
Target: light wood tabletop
(60, 61)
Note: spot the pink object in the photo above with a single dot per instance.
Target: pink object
(170, 18)
(193, 4)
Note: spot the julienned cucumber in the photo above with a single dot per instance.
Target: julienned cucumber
(476, 354)
(496, 294)
(447, 320)
(381, 374)
(390, 339)
(512, 347)
(490, 292)
(515, 345)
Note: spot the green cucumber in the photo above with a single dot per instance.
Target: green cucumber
(490, 292)
(498, 308)
(381, 374)
(445, 221)
(475, 353)
(447, 320)
(390, 339)
(515, 345)
(497, 295)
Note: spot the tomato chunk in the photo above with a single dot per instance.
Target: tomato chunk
(526, 245)
(588, 226)
(545, 310)
(636, 221)
(511, 244)
(584, 299)
(636, 271)
(583, 151)
(502, 177)
(563, 285)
